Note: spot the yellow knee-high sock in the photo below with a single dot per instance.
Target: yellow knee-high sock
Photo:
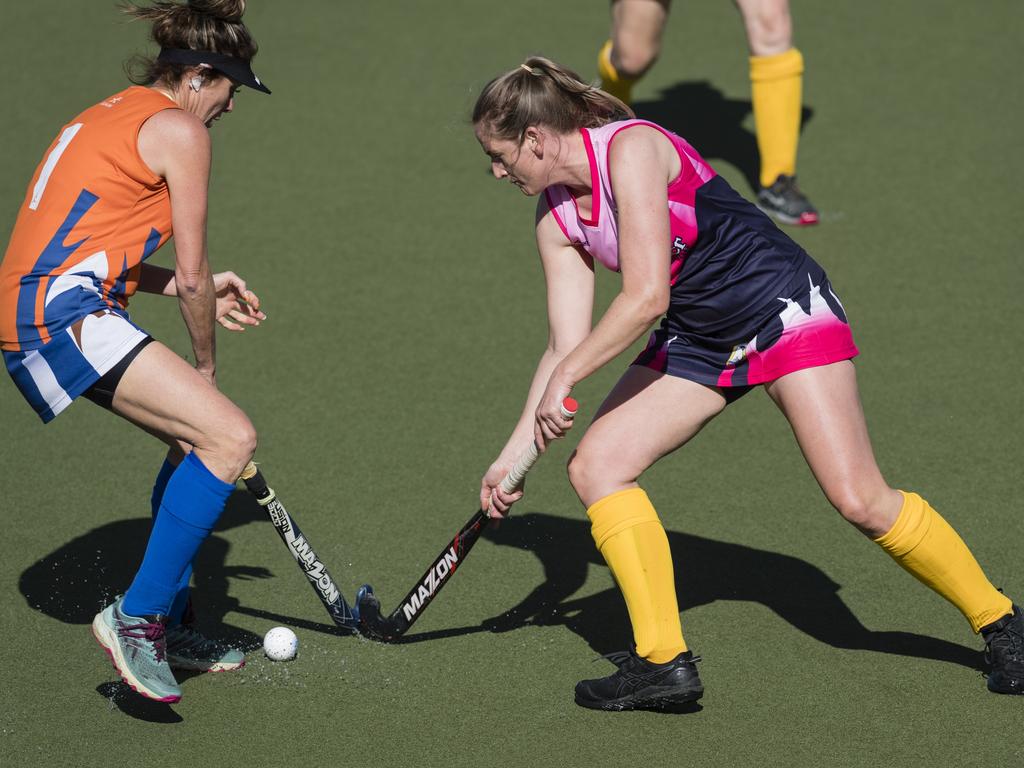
(629, 535)
(776, 83)
(618, 85)
(923, 543)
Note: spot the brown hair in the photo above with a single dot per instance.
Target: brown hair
(198, 25)
(541, 92)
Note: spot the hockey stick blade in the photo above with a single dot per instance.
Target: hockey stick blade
(374, 625)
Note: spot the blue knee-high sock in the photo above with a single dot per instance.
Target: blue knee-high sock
(191, 504)
(174, 615)
(160, 485)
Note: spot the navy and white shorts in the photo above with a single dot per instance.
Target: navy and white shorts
(74, 360)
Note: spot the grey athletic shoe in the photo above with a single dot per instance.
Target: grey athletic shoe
(784, 202)
(138, 649)
(188, 649)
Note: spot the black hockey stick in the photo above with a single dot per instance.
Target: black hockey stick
(340, 611)
(390, 629)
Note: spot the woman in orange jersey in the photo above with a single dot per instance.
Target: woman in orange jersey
(116, 183)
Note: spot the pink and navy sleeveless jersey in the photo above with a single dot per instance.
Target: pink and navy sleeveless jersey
(599, 234)
(731, 270)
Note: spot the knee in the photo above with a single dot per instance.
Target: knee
(770, 29)
(633, 60)
(239, 441)
(245, 440)
(591, 476)
(573, 467)
(871, 512)
(577, 470)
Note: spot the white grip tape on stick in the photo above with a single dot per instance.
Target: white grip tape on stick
(525, 462)
(520, 468)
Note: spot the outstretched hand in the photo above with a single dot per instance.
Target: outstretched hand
(237, 306)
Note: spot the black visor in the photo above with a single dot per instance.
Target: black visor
(237, 69)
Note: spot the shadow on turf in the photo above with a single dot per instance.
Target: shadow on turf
(128, 701)
(74, 582)
(712, 123)
(794, 589)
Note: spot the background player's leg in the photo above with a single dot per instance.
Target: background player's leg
(776, 84)
(823, 407)
(634, 45)
(768, 26)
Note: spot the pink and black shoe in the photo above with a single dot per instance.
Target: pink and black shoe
(784, 202)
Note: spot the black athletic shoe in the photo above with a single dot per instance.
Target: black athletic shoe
(641, 684)
(784, 201)
(1004, 653)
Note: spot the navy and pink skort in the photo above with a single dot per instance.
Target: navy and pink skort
(804, 326)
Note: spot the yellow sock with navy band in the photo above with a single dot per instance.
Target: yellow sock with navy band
(632, 541)
(776, 84)
(924, 544)
(618, 85)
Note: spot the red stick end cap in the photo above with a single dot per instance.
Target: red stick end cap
(570, 404)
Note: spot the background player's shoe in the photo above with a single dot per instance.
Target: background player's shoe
(641, 684)
(137, 647)
(784, 202)
(1004, 651)
(187, 648)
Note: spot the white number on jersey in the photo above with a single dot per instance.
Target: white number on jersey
(51, 163)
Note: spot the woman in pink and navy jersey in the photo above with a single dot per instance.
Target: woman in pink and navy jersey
(741, 305)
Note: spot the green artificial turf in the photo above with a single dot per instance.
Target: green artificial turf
(406, 311)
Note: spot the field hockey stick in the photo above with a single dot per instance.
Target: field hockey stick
(374, 625)
(340, 611)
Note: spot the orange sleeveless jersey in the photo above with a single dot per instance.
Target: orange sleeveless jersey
(93, 212)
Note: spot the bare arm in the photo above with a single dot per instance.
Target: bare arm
(569, 274)
(237, 305)
(176, 146)
(642, 163)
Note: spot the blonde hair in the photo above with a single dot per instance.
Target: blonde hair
(197, 25)
(541, 92)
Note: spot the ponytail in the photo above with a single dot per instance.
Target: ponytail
(541, 92)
